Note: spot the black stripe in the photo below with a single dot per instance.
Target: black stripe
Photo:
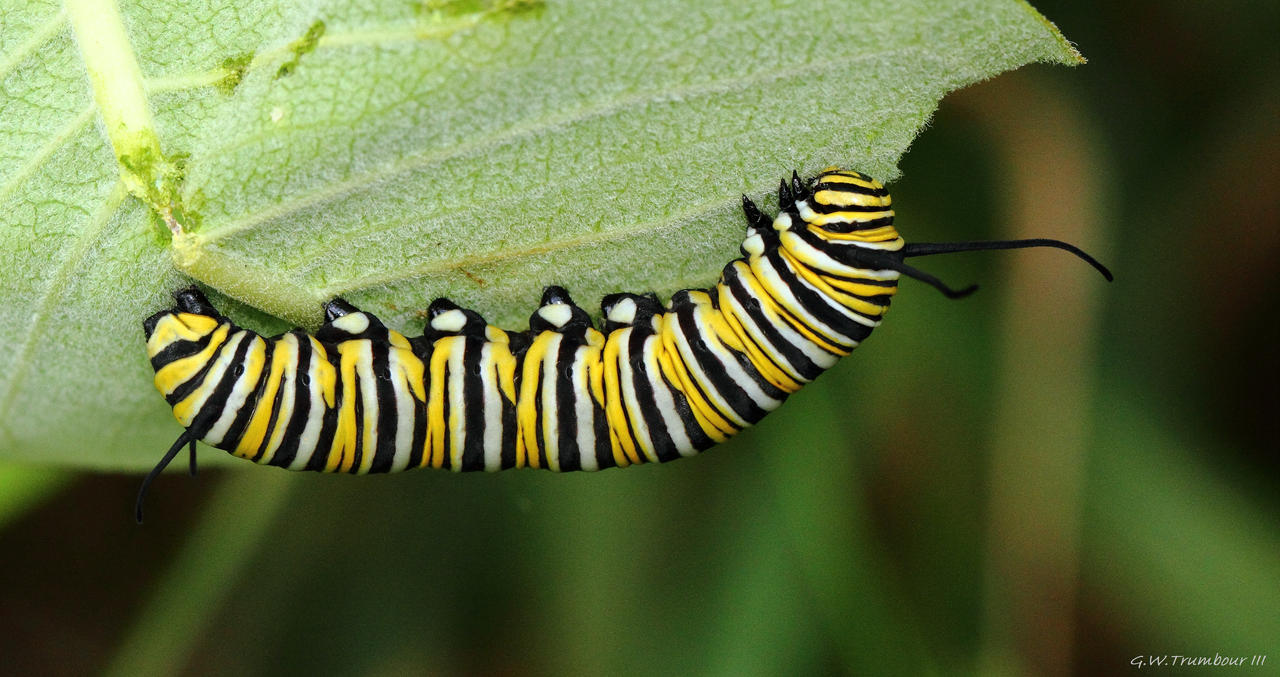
(852, 226)
(744, 359)
(697, 436)
(568, 454)
(238, 425)
(604, 448)
(217, 400)
(180, 349)
(197, 379)
(852, 328)
(850, 187)
(778, 345)
(663, 446)
(798, 323)
(629, 426)
(818, 305)
(832, 208)
(728, 390)
(474, 400)
(507, 458)
(420, 420)
(388, 407)
(357, 398)
(275, 408)
(446, 445)
(329, 423)
(302, 388)
(698, 387)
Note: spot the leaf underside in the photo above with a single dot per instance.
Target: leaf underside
(391, 153)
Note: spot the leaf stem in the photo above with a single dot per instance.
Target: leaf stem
(246, 280)
(120, 92)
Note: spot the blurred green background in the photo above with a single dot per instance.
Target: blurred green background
(1054, 476)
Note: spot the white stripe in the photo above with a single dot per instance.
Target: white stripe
(699, 376)
(731, 365)
(584, 410)
(315, 416)
(763, 342)
(406, 405)
(834, 304)
(492, 409)
(818, 356)
(239, 395)
(275, 436)
(781, 291)
(623, 312)
(821, 259)
(550, 422)
(664, 399)
(451, 321)
(368, 384)
(212, 377)
(457, 402)
(819, 219)
(352, 323)
(627, 385)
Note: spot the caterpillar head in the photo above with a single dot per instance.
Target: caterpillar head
(842, 220)
(841, 208)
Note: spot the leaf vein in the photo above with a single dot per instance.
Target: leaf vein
(530, 129)
(43, 153)
(39, 37)
(54, 294)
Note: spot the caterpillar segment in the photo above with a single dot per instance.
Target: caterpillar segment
(652, 384)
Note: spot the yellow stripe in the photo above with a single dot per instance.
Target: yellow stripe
(716, 427)
(179, 327)
(841, 177)
(177, 372)
(760, 358)
(753, 286)
(613, 411)
(781, 309)
(821, 219)
(288, 402)
(412, 369)
(283, 355)
(860, 288)
(500, 355)
(326, 373)
(184, 410)
(851, 302)
(877, 235)
(528, 453)
(437, 427)
(344, 441)
(846, 198)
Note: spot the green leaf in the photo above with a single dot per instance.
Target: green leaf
(392, 152)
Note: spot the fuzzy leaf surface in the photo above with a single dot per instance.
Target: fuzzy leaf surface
(390, 152)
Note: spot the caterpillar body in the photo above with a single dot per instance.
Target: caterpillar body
(652, 384)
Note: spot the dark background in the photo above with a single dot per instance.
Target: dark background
(1053, 477)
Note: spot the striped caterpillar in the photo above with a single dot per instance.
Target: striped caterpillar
(654, 384)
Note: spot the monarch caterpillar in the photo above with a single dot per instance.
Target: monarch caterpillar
(654, 384)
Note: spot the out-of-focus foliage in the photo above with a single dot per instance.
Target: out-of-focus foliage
(1055, 476)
